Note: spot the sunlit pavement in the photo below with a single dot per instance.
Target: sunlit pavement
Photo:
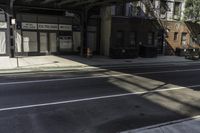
(107, 101)
(60, 62)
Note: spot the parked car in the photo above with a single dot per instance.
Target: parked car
(192, 53)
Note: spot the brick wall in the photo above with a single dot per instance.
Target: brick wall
(175, 27)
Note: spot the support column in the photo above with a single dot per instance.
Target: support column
(11, 28)
(105, 36)
(84, 24)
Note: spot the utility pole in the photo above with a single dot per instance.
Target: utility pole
(11, 27)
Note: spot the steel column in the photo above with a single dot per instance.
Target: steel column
(84, 24)
(11, 28)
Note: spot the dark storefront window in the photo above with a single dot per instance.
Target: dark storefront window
(119, 10)
(120, 39)
(150, 38)
(132, 39)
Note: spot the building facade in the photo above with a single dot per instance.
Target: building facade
(38, 34)
(149, 28)
(144, 28)
(46, 34)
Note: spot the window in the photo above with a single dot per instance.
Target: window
(120, 39)
(150, 38)
(119, 10)
(184, 40)
(132, 9)
(30, 41)
(163, 7)
(2, 17)
(175, 36)
(177, 9)
(132, 39)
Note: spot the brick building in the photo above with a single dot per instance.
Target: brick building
(121, 30)
(151, 24)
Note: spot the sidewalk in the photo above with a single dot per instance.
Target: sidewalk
(190, 125)
(50, 63)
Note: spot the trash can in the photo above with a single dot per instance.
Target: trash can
(179, 52)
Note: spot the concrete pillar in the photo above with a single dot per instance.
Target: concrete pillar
(11, 28)
(106, 19)
(84, 24)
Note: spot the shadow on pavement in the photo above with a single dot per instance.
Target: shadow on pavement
(108, 115)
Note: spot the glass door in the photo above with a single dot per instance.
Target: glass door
(30, 41)
(91, 36)
(43, 42)
(53, 42)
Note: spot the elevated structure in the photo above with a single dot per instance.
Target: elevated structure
(82, 8)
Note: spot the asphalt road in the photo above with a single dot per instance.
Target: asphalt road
(99, 101)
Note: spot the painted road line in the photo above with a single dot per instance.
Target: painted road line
(94, 98)
(63, 79)
(97, 76)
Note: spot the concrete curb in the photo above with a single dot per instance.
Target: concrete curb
(84, 67)
(162, 125)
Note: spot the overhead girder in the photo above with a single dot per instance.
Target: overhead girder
(80, 7)
(61, 4)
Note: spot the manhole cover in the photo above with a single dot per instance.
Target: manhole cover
(56, 62)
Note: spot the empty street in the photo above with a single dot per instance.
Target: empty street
(99, 101)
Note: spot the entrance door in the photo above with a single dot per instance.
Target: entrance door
(53, 42)
(30, 41)
(76, 41)
(43, 42)
(92, 40)
(160, 43)
(2, 42)
(48, 42)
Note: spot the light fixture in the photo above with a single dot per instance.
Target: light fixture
(13, 21)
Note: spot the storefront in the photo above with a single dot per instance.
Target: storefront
(133, 37)
(41, 38)
(3, 36)
(3, 27)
